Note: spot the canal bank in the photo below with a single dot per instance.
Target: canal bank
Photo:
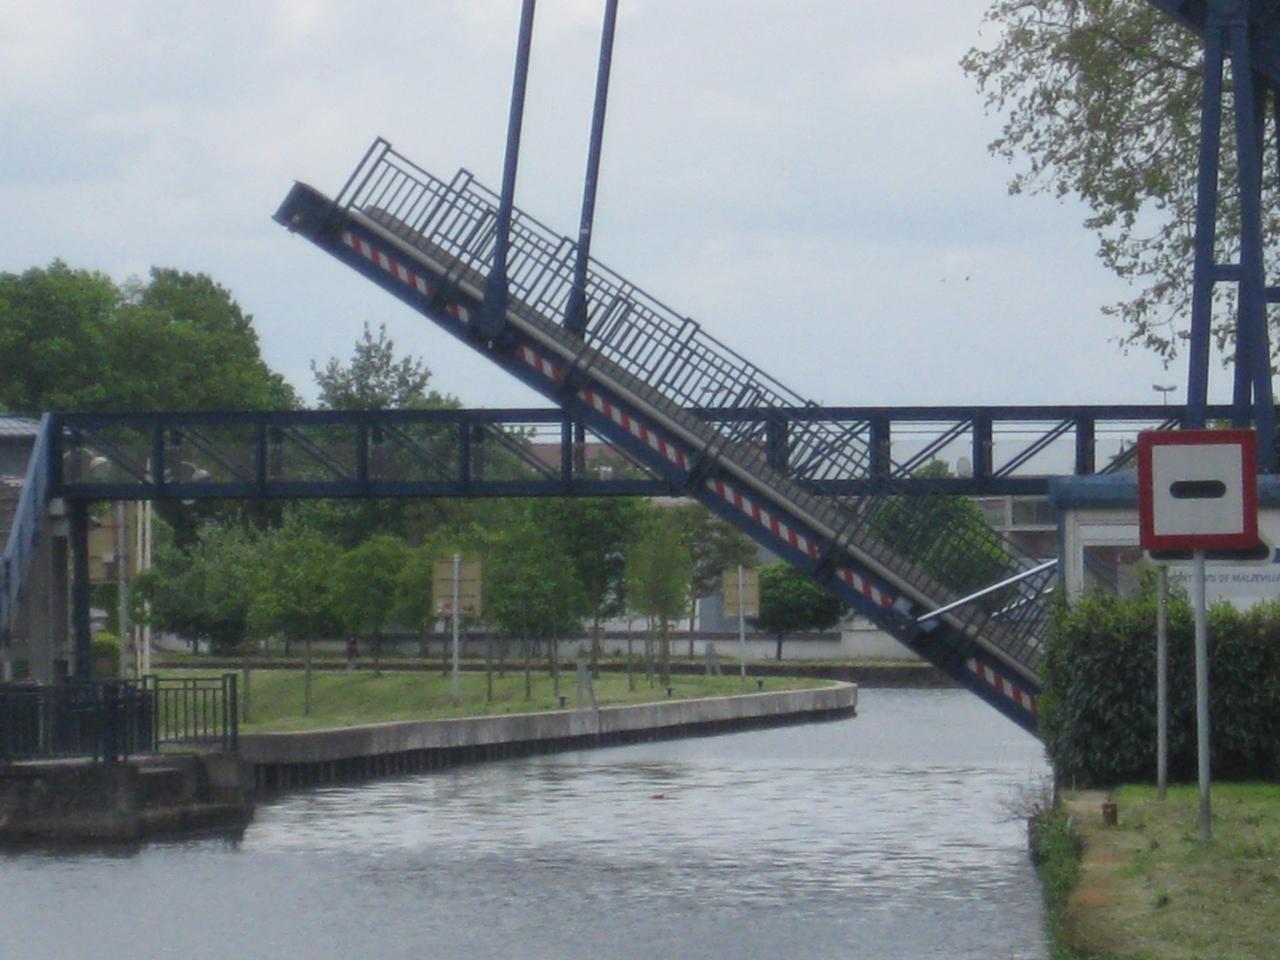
(286, 760)
(1140, 883)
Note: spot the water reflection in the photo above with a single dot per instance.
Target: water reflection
(876, 837)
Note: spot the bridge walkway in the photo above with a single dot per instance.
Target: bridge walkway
(940, 581)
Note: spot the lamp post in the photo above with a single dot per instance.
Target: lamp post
(1164, 391)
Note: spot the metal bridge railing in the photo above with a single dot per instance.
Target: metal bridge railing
(944, 554)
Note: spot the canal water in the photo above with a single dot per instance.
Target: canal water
(885, 836)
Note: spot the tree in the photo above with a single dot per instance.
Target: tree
(595, 534)
(791, 602)
(659, 571)
(375, 380)
(414, 606)
(201, 592)
(73, 340)
(291, 592)
(715, 545)
(365, 582)
(1101, 100)
(532, 591)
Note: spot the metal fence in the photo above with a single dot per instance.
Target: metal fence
(195, 711)
(116, 719)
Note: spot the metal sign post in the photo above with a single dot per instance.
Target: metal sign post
(741, 595)
(742, 632)
(457, 576)
(455, 585)
(1162, 679)
(1202, 695)
(1197, 490)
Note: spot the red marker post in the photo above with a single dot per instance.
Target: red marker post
(1198, 491)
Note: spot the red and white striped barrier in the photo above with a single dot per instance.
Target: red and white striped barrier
(1006, 687)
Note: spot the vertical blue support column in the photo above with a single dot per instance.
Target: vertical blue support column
(1206, 229)
(575, 314)
(777, 443)
(464, 453)
(494, 315)
(1086, 450)
(983, 447)
(567, 458)
(80, 625)
(881, 447)
(1253, 363)
(1227, 31)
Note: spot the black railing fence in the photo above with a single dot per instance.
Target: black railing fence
(201, 711)
(116, 719)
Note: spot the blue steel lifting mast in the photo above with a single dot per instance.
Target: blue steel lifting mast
(1247, 33)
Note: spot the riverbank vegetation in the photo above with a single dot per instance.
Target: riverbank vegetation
(1098, 707)
(339, 698)
(1148, 889)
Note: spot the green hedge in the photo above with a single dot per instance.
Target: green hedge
(1098, 708)
(106, 655)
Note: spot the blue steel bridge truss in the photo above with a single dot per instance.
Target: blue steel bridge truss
(544, 452)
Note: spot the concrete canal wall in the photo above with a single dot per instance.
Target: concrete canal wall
(283, 760)
(84, 801)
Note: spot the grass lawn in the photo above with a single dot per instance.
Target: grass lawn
(1150, 889)
(348, 697)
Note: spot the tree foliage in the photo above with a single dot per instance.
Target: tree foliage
(595, 535)
(790, 602)
(947, 536)
(1101, 100)
(375, 379)
(532, 591)
(292, 586)
(714, 545)
(202, 592)
(658, 573)
(365, 588)
(74, 340)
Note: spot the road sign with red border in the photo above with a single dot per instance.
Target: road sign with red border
(1198, 489)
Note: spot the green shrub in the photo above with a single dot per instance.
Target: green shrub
(1098, 708)
(106, 655)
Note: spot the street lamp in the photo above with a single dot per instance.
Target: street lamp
(1164, 390)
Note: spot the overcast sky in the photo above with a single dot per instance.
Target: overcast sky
(808, 179)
